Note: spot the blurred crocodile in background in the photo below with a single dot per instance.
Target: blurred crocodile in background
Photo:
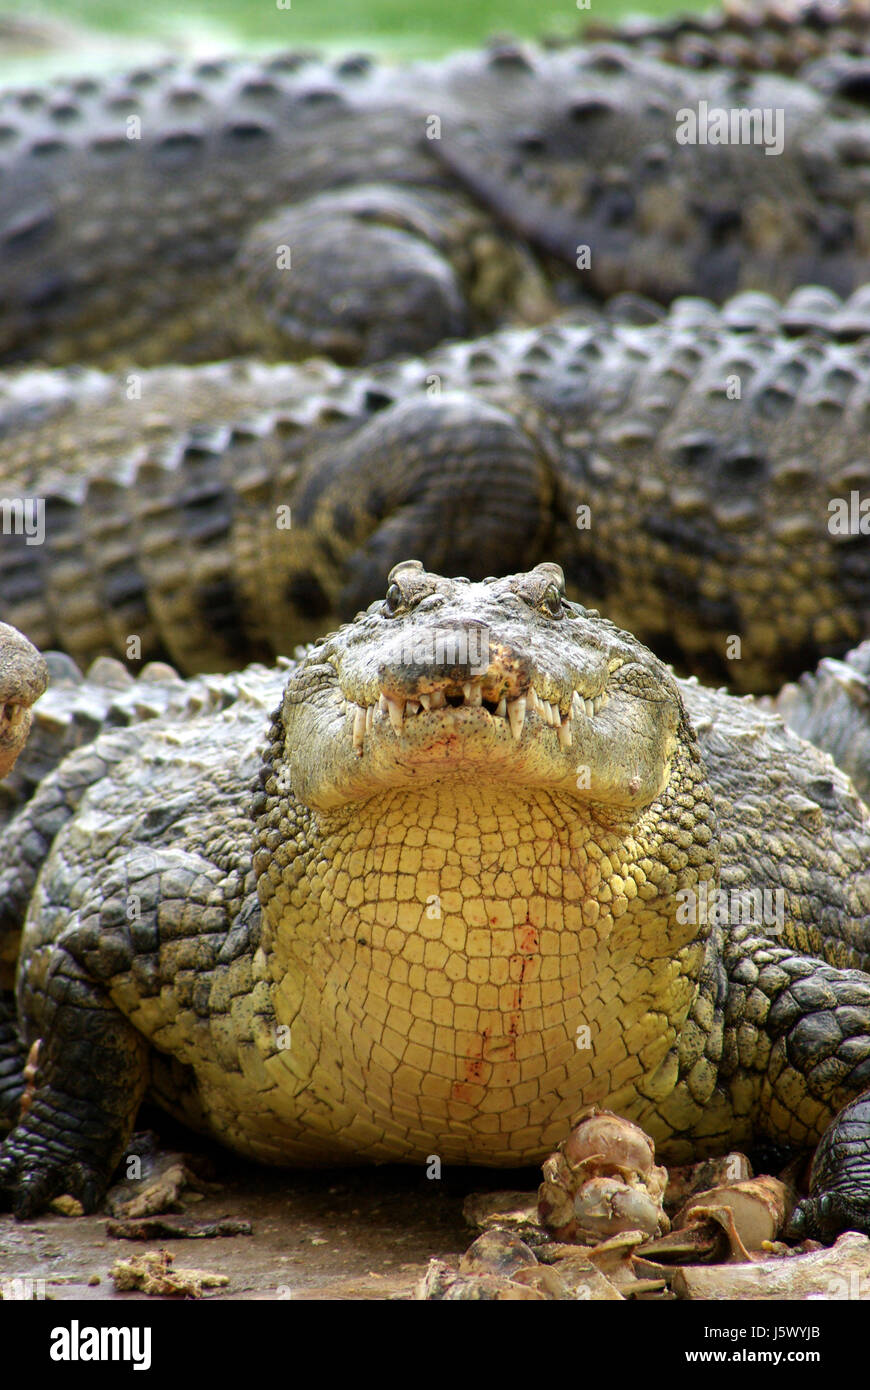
(682, 470)
(813, 38)
(292, 206)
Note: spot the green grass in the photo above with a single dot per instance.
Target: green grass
(420, 27)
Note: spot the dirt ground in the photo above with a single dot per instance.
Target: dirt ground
(336, 1234)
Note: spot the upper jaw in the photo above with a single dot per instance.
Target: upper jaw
(508, 709)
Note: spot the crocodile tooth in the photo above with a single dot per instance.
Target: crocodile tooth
(577, 704)
(466, 692)
(359, 729)
(370, 718)
(589, 707)
(425, 701)
(501, 708)
(475, 695)
(548, 712)
(397, 714)
(439, 699)
(517, 716)
(532, 700)
(412, 706)
(566, 738)
(383, 706)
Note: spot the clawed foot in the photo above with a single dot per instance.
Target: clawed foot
(839, 1197)
(33, 1173)
(826, 1216)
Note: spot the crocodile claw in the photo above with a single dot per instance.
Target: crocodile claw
(826, 1217)
(839, 1197)
(31, 1176)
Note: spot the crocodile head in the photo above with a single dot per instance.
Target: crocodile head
(480, 805)
(23, 678)
(503, 680)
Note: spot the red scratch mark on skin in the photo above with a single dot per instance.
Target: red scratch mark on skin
(522, 964)
(528, 943)
(518, 992)
(474, 1065)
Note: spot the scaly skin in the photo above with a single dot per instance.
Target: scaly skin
(371, 178)
(60, 761)
(462, 859)
(755, 36)
(830, 707)
(230, 162)
(77, 707)
(23, 678)
(65, 722)
(231, 511)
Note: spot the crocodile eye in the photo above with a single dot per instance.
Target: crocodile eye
(393, 601)
(552, 601)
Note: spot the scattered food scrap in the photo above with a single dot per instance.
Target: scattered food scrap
(176, 1228)
(609, 1223)
(152, 1273)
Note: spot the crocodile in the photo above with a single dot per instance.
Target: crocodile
(682, 470)
(295, 205)
(465, 890)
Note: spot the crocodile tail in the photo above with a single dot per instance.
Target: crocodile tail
(830, 707)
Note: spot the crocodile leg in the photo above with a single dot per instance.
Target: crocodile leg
(809, 1027)
(131, 930)
(128, 930)
(332, 276)
(451, 476)
(91, 1076)
(372, 272)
